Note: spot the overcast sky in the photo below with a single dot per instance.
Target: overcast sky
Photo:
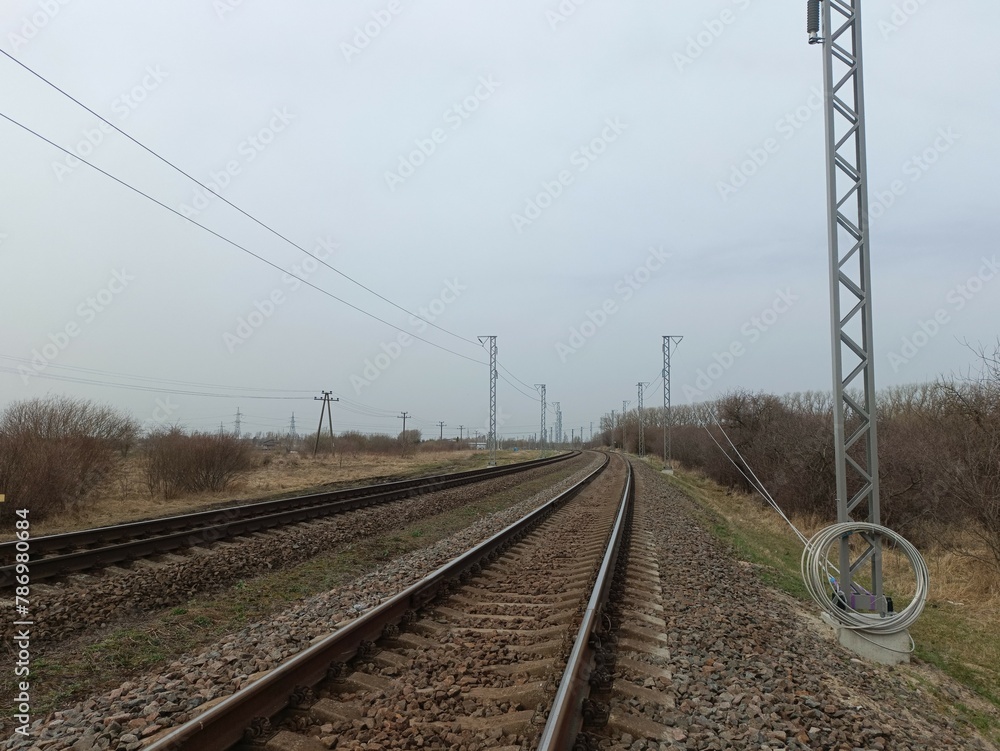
(578, 180)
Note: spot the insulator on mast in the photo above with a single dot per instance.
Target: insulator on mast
(812, 20)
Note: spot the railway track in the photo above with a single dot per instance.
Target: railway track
(59, 555)
(493, 650)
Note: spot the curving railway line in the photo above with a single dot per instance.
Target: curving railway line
(59, 555)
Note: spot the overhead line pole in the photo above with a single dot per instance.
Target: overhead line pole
(854, 420)
(328, 408)
(642, 428)
(541, 391)
(668, 418)
(624, 412)
(492, 438)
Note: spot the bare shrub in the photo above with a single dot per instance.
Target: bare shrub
(55, 451)
(967, 463)
(176, 463)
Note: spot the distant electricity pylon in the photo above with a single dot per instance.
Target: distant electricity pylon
(624, 413)
(669, 342)
(642, 428)
(541, 392)
(856, 454)
(492, 439)
(328, 408)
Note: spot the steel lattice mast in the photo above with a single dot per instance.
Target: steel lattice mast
(491, 440)
(541, 391)
(856, 441)
(642, 428)
(667, 416)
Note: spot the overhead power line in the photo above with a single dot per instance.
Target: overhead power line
(232, 242)
(261, 223)
(26, 361)
(227, 201)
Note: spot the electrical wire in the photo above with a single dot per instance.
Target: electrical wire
(816, 573)
(150, 389)
(227, 201)
(26, 361)
(232, 242)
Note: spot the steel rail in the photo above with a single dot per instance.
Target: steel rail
(220, 727)
(154, 536)
(566, 716)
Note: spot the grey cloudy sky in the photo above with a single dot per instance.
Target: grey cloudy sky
(578, 179)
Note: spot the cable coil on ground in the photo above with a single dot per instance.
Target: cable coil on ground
(818, 572)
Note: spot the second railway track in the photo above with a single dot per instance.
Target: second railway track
(59, 555)
(474, 656)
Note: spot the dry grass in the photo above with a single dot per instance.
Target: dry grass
(124, 496)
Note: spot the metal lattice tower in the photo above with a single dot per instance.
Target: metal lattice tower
(558, 408)
(856, 441)
(642, 428)
(541, 392)
(668, 422)
(624, 414)
(491, 440)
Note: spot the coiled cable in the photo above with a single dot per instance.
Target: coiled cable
(818, 573)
